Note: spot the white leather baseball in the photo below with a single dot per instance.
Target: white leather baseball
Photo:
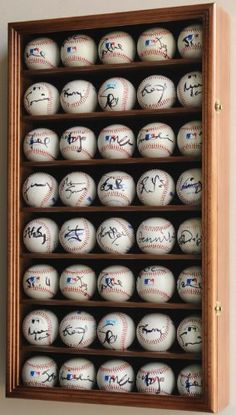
(156, 284)
(116, 47)
(78, 282)
(116, 141)
(116, 376)
(41, 144)
(189, 187)
(78, 96)
(189, 334)
(78, 50)
(155, 188)
(116, 188)
(40, 190)
(189, 285)
(156, 332)
(77, 373)
(40, 372)
(190, 380)
(78, 329)
(40, 281)
(156, 92)
(155, 236)
(189, 138)
(78, 143)
(115, 235)
(189, 236)
(156, 44)
(41, 98)
(41, 53)
(190, 41)
(156, 140)
(77, 236)
(189, 89)
(116, 331)
(77, 189)
(40, 327)
(117, 94)
(40, 235)
(116, 283)
(155, 378)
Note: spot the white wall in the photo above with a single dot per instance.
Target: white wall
(18, 10)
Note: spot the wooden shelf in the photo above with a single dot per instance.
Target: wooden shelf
(98, 256)
(87, 209)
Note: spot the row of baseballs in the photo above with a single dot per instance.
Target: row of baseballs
(114, 235)
(115, 94)
(112, 376)
(115, 331)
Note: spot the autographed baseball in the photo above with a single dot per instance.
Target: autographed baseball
(189, 285)
(117, 94)
(40, 327)
(156, 92)
(116, 47)
(77, 189)
(189, 334)
(40, 235)
(40, 372)
(116, 331)
(155, 378)
(78, 50)
(189, 236)
(155, 188)
(190, 380)
(116, 283)
(189, 187)
(189, 138)
(40, 281)
(78, 96)
(156, 140)
(116, 376)
(77, 236)
(78, 329)
(156, 44)
(41, 98)
(156, 284)
(41, 53)
(40, 190)
(115, 235)
(190, 41)
(116, 142)
(116, 188)
(77, 373)
(78, 143)
(78, 282)
(156, 332)
(155, 236)
(41, 144)
(189, 89)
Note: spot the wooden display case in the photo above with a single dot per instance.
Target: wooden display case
(213, 210)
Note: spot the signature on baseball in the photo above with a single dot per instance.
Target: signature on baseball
(145, 330)
(122, 381)
(194, 89)
(72, 377)
(33, 140)
(149, 184)
(110, 47)
(70, 331)
(187, 236)
(156, 239)
(112, 183)
(111, 100)
(121, 141)
(74, 234)
(112, 233)
(149, 380)
(150, 88)
(72, 139)
(36, 332)
(151, 136)
(109, 282)
(71, 187)
(35, 233)
(190, 183)
(41, 96)
(191, 336)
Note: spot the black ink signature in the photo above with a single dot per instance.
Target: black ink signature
(124, 380)
(187, 236)
(70, 331)
(36, 333)
(35, 233)
(50, 377)
(144, 329)
(111, 183)
(150, 380)
(188, 40)
(191, 184)
(109, 47)
(72, 187)
(111, 100)
(188, 385)
(68, 94)
(36, 52)
(109, 282)
(71, 139)
(151, 136)
(194, 89)
(75, 234)
(31, 186)
(112, 233)
(156, 239)
(191, 282)
(109, 337)
(148, 184)
(121, 141)
(81, 285)
(43, 95)
(71, 376)
(149, 88)
(32, 140)
(193, 330)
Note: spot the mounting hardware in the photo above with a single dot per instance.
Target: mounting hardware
(218, 106)
(218, 308)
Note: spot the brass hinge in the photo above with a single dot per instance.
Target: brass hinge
(218, 106)
(218, 308)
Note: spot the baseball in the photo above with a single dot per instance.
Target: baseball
(189, 285)
(190, 381)
(156, 140)
(41, 144)
(40, 190)
(77, 189)
(189, 187)
(116, 142)
(117, 94)
(78, 143)
(116, 188)
(41, 98)
(156, 92)
(78, 96)
(116, 331)
(189, 334)
(189, 89)
(156, 44)
(77, 373)
(190, 41)
(155, 188)
(155, 284)
(115, 235)
(41, 53)
(115, 376)
(155, 378)
(40, 327)
(40, 281)
(77, 236)
(40, 235)
(78, 50)
(189, 236)
(156, 332)
(78, 329)
(78, 282)
(116, 283)
(116, 47)
(155, 236)
(189, 139)
(40, 372)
